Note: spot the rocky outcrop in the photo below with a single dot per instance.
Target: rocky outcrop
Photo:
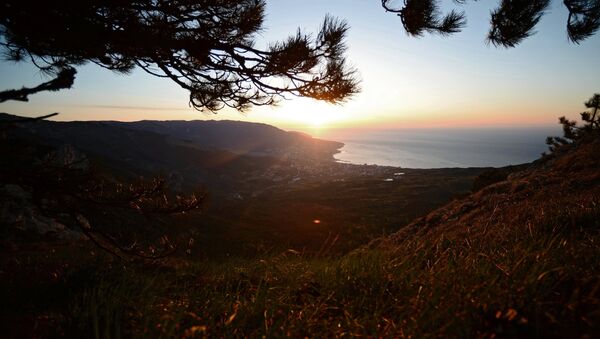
(18, 213)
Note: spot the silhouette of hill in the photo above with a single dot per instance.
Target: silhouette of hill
(211, 153)
(516, 258)
(234, 136)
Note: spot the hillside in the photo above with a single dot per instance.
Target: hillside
(518, 258)
(254, 202)
(157, 144)
(235, 136)
(559, 186)
(213, 154)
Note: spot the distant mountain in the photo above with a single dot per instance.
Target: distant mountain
(235, 136)
(212, 153)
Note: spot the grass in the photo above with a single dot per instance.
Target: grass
(520, 258)
(355, 211)
(538, 279)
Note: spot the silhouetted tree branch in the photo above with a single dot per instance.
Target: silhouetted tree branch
(110, 245)
(64, 79)
(65, 188)
(514, 20)
(572, 133)
(584, 19)
(511, 22)
(4, 124)
(145, 197)
(420, 16)
(207, 47)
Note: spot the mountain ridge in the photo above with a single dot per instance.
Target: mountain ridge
(235, 136)
(199, 152)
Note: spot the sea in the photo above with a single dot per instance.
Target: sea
(441, 147)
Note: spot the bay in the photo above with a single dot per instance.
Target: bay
(442, 147)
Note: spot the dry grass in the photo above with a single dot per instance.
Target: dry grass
(518, 259)
(540, 279)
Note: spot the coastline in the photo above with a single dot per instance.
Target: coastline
(449, 148)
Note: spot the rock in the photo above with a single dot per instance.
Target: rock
(15, 192)
(69, 157)
(175, 181)
(20, 213)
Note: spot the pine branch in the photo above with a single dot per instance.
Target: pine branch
(63, 80)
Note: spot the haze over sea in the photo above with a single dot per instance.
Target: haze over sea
(442, 147)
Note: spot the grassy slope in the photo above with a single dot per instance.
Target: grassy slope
(518, 258)
(352, 212)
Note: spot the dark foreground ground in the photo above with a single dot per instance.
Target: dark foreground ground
(518, 258)
(340, 215)
(49, 285)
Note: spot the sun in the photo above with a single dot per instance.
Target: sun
(312, 113)
(314, 118)
(304, 114)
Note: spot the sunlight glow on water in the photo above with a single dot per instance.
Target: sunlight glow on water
(440, 148)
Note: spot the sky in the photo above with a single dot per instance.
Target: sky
(407, 82)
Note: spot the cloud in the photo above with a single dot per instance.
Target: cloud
(136, 108)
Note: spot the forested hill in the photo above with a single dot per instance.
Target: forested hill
(234, 136)
(211, 153)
